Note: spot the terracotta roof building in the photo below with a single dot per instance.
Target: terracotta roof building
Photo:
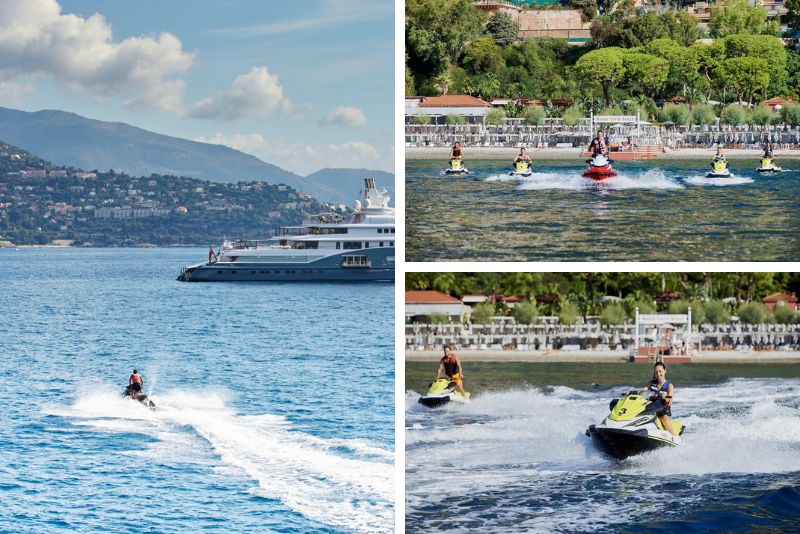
(773, 300)
(420, 305)
(439, 107)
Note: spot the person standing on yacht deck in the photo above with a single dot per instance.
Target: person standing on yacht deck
(451, 366)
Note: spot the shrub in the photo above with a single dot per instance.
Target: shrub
(761, 115)
(483, 313)
(526, 312)
(421, 120)
(438, 318)
(734, 114)
(783, 314)
(569, 313)
(791, 114)
(613, 110)
(752, 313)
(496, 117)
(613, 314)
(455, 119)
(535, 115)
(677, 113)
(703, 114)
(573, 115)
(717, 313)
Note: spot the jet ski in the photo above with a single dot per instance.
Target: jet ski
(521, 168)
(141, 397)
(768, 165)
(456, 167)
(599, 168)
(633, 428)
(441, 392)
(719, 169)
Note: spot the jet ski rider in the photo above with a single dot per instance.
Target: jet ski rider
(719, 156)
(451, 366)
(522, 156)
(598, 146)
(455, 152)
(135, 382)
(767, 149)
(661, 387)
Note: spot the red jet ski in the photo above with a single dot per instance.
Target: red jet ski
(599, 168)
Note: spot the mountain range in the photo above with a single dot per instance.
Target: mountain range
(71, 140)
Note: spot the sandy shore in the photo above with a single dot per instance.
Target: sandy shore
(477, 153)
(602, 356)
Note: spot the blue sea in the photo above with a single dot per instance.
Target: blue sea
(658, 210)
(517, 460)
(275, 402)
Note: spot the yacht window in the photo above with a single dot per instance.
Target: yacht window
(338, 245)
(233, 272)
(380, 244)
(380, 230)
(219, 272)
(392, 230)
(366, 244)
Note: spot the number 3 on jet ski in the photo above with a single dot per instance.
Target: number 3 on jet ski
(639, 424)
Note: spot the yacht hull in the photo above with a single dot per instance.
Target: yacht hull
(327, 269)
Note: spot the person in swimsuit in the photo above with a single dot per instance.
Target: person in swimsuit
(662, 388)
(451, 366)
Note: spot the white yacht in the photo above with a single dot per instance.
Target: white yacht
(325, 249)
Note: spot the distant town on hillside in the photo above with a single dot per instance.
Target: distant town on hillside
(42, 203)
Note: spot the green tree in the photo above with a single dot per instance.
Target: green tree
(442, 82)
(761, 115)
(791, 114)
(784, 314)
(421, 120)
(483, 313)
(717, 313)
(502, 28)
(535, 115)
(495, 117)
(568, 313)
(483, 56)
(613, 314)
(645, 73)
(677, 113)
(734, 114)
(752, 313)
(454, 118)
(526, 312)
(703, 114)
(438, 32)
(746, 75)
(438, 318)
(573, 115)
(604, 67)
(738, 17)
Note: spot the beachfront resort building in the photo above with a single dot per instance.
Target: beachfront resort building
(541, 23)
(780, 299)
(702, 10)
(421, 305)
(473, 109)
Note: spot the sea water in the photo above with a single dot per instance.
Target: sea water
(517, 459)
(658, 210)
(275, 400)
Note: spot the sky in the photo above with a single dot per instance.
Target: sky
(300, 84)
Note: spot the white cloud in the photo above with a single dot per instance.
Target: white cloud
(332, 13)
(81, 55)
(304, 158)
(14, 93)
(257, 93)
(345, 116)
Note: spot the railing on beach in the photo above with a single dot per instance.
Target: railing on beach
(508, 335)
(517, 133)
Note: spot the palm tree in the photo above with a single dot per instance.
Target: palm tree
(443, 82)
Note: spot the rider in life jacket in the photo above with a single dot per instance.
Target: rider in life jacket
(598, 146)
(451, 366)
(455, 152)
(767, 149)
(522, 156)
(135, 382)
(662, 388)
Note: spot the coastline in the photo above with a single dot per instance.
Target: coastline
(587, 356)
(490, 153)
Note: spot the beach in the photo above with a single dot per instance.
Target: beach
(493, 153)
(588, 356)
